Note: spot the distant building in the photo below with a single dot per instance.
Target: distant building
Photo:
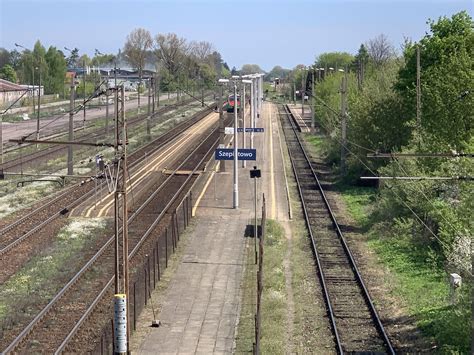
(127, 77)
(10, 92)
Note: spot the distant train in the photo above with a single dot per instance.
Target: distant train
(229, 105)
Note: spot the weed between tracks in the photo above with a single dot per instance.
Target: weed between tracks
(13, 199)
(46, 273)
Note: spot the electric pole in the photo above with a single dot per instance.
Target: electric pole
(107, 105)
(70, 168)
(312, 101)
(418, 92)
(221, 126)
(84, 101)
(121, 298)
(303, 91)
(148, 111)
(39, 104)
(343, 121)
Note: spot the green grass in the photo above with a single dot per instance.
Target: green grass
(274, 300)
(246, 328)
(420, 279)
(358, 201)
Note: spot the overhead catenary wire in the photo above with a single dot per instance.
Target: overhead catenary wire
(76, 109)
(427, 198)
(396, 194)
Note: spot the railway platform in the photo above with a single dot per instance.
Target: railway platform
(301, 120)
(199, 311)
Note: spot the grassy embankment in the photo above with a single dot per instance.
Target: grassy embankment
(421, 281)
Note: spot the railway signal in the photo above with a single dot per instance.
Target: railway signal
(255, 174)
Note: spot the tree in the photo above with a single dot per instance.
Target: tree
(250, 69)
(103, 59)
(138, 42)
(73, 59)
(8, 73)
(171, 51)
(446, 81)
(15, 59)
(83, 61)
(277, 72)
(4, 57)
(380, 50)
(334, 60)
(54, 82)
(201, 50)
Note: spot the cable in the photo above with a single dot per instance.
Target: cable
(399, 197)
(427, 198)
(74, 110)
(14, 102)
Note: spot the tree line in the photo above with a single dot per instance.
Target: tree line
(382, 118)
(177, 61)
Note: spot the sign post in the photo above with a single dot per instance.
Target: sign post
(255, 174)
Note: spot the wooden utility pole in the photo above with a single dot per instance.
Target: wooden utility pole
(303, 92)
(158, 91)
(148, 118)
(294, 93)
(70, 167)
(343, 121)
(418, 92)
(153, 96)
(107, 106)
(312, 101)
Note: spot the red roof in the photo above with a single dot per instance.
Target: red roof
(6, 85)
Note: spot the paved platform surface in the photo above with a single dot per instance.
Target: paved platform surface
(201, 306)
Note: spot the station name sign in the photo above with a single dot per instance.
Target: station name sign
(242, 154)
(230, 130)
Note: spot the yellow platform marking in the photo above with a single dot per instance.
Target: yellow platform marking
(204, 189)
(152, 166)
(272, 174)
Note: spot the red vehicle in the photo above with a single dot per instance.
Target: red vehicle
(229, 105)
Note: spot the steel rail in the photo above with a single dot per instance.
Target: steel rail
(327, 299)
(99, 297)
(26, 331)
(45, 222)
(367, 297)
(90, 135)
(168, 136)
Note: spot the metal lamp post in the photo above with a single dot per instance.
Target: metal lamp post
(236, 173)
(246, 81)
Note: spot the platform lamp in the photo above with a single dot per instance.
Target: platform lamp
(235, 172)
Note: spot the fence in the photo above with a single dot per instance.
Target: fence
(258, 322)
(146, 275)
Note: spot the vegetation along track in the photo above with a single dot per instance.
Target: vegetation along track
(31, 227)
(52, 325)
(354, 320)
(18, 163)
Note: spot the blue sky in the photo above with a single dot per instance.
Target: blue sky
(264, 32)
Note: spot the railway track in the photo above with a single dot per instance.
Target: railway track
(32, 225)
(59, 319)
(354, 320)
(56, 150)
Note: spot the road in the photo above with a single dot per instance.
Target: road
(49, 126)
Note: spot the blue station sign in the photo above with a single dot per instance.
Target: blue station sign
(242, 154)
(250, 129)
